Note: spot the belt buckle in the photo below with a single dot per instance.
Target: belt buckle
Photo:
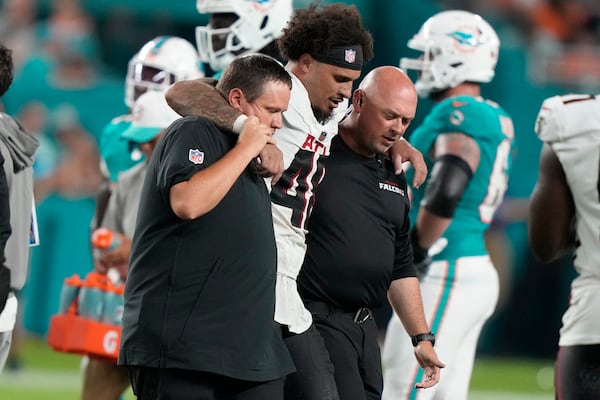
(362, 315)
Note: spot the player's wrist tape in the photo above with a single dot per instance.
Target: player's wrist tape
(238, 124)
(422, 337)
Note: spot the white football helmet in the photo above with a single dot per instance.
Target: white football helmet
(258, 23)
(159, 63)
(458, 46)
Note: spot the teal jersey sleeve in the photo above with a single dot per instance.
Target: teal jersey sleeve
(492, 129)
(116, 153)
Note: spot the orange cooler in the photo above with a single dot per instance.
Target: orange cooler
(95, 332)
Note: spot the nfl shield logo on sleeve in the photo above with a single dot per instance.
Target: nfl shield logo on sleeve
(196, 156)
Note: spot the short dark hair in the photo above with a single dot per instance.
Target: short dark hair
(6, 69)
(316, 29)
(250, 74)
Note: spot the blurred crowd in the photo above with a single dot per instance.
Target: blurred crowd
(58, 70)
(561, 36)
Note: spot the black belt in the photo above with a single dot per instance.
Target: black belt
(359, 315)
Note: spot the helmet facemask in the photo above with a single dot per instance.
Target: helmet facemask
(146, 77)
(218, 43)
(255, 25)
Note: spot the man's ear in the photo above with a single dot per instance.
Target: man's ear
(305, 61)
(357, 99)
(236, 98)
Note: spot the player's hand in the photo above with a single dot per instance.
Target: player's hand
(255, 136)
(403, 151)
(431, 364)
(117, 258)
(422, 266)
(269, 163)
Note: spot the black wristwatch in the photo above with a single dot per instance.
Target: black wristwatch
(423, 336)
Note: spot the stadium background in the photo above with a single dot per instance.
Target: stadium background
(533, 297)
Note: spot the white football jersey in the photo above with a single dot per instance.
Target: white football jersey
(303, 141)
(570, 124)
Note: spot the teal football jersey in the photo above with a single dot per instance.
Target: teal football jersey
(492, 128)
(118, 155)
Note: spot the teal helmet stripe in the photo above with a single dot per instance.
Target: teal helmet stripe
(161, 40)
(439, 314)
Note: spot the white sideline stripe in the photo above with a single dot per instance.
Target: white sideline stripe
(481, 395)
(41, 378)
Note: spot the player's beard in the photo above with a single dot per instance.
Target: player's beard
(321, 115)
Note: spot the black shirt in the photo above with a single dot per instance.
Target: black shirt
(200, 294)
(357, 240)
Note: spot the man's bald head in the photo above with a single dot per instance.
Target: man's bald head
(387, 79)
(384, 105)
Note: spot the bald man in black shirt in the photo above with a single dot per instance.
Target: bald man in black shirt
(358, 248)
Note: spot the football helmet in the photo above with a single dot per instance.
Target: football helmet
(161, 62)
(458, 46)
(255, 24)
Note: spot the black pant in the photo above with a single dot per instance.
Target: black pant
(313, 379)
(351, 342)
(178, 384)
(578, 372)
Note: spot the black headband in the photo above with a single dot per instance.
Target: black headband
(350, 57)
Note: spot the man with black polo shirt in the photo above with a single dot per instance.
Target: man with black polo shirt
(200, 293)
(358, 246)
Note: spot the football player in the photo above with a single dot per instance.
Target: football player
(467, 143)
(160, 62)
(565, 216)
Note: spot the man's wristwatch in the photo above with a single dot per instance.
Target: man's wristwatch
(423, 336)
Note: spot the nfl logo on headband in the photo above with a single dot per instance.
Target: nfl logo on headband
(350, 55)
(347, 56)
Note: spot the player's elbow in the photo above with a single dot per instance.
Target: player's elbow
(544, 251)
(544, 256)
(184, 207)
(173, 96)
(184, 213)
(187, 210)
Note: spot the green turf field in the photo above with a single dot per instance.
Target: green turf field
(49, 375)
